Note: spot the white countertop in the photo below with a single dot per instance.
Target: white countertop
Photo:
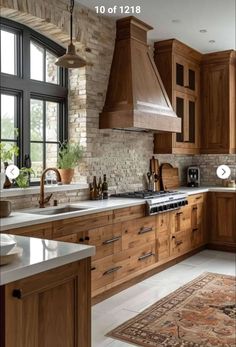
(23, 218)
(41, 255)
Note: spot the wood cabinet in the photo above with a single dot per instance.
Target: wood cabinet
(197, 205)
(52, 308)
(218, 103)
(222, 221)
(43, 231)
(179, 68)
(129, 244)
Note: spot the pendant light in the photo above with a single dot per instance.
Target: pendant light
(71, 59)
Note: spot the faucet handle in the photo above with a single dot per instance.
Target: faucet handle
(46, 200)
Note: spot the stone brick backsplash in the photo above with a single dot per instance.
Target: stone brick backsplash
(32, 201)
(208, 164)
(123, 156)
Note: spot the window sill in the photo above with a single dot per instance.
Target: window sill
(35, 190)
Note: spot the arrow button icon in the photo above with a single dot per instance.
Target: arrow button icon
(223, 172)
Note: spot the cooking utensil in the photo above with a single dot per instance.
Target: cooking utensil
(169, 177)
(154, 168)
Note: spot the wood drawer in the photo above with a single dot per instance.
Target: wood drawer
(124, 214)
(134, 259)
(107, 240)
(83, 223)
(137, 233)
(68, 238)
(43, 231)
(103, 272)
(180, 243)
(196, 198)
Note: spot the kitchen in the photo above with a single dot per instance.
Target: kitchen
(119, 131)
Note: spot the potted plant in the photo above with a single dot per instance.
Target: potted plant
(22, 180)
(68, 157)
(7, 152)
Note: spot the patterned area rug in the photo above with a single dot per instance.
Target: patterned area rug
(200, 314)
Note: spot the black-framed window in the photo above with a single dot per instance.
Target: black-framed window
(33, 95)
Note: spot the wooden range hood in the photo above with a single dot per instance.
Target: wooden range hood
(136, 98)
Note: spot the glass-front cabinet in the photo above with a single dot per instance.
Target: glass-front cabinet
(179, 67)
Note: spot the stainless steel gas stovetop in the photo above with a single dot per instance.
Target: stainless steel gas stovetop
(158, 202)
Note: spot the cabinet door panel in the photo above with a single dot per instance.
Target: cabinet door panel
(215, 125)
(48, 308)
(224, 217)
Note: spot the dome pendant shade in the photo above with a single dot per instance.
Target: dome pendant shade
(70, 59)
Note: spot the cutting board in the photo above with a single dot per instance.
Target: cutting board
(154, 167)
(169, 177)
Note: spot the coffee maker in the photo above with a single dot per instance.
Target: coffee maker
(193, 176)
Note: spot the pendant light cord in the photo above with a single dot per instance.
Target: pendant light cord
(72, 4)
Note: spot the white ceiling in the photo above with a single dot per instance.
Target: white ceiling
(216, 16)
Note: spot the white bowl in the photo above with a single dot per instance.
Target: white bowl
(6, 244)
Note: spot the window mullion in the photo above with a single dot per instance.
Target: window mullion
(44, 134)
(25, 126)
(26, 55)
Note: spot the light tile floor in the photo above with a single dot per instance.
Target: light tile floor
(112, 312)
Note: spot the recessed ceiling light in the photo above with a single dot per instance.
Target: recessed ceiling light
(203, 31)
(176, 21)
(212, 41)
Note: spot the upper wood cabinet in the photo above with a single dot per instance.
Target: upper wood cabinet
(218, 103)
(179, 68)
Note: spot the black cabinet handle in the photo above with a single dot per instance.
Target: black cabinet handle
(81, 239)
(198, 197)
(179, 213)
(93, 268)
(194, 208)
(142, 257)
(17, 293)
(114, 239)
(196, 229)
(178, 243)
(87, 238)
(144, 230)
(114, 269)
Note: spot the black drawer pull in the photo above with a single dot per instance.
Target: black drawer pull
(199, 197)
(87, 238)
(93, 268)
(17, 293)
(196, 229)
(179, 213)
(114, 239)
(178, 243)
(81, 239)
(142, 257)
(144, 230)
(194, 208)
(110, 271)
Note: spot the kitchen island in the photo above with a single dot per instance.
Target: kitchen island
(45, 295)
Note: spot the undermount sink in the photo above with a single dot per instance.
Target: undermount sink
(58, 210)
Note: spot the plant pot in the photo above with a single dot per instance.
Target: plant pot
(5, 208)
(66, 175)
